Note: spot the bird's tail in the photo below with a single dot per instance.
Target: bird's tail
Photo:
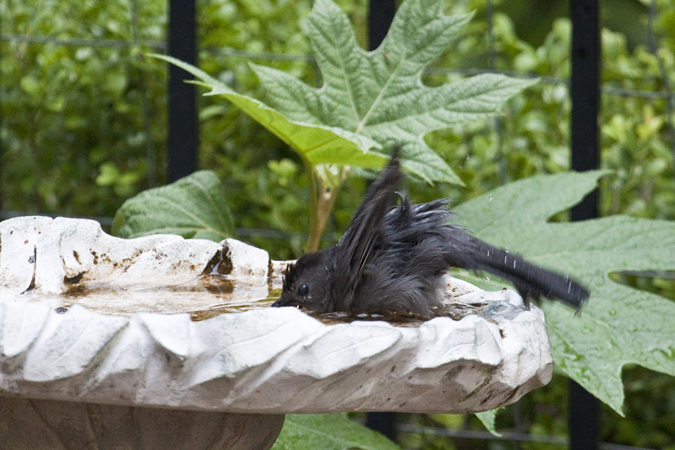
(530, 280)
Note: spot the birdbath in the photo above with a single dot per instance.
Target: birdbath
(161, 342)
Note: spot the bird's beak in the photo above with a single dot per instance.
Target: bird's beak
(283, 301)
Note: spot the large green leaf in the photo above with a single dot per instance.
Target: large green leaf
(305, 138)
(369, 99)
(193, 207)
(329, 432)
(380, 94)
(618, 325)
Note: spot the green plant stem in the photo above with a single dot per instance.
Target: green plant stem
(321, 201)
(313, 240)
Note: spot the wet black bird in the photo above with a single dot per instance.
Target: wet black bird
(392, 258)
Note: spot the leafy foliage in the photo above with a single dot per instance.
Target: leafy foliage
(368, 99)
(73, 130)
(329, 432)
(306, 138)
(379, 94)
(193, 207)
(593, 346)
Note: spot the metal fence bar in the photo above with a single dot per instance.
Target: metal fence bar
(240, 231)
(145, 102)
(483, 435)
(268, 56)
(183, 140)
(80, 42)
(380, 15)
(265, 56)
(584, 409)
(504, 436)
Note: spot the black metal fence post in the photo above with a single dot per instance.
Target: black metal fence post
(584, 409)
(380, 15)
(183, 140)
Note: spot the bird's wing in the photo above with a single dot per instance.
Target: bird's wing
(353, 251)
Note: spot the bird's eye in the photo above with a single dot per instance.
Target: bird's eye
(303, 289)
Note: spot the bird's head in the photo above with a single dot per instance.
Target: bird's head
(307, 283)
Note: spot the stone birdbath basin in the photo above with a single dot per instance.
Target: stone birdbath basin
(161, 342)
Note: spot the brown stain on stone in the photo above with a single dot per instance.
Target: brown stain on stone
(221, 263)
(74, 279)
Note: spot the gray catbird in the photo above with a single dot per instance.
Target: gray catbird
(391, 260)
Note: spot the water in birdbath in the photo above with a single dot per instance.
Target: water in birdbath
(217, 291)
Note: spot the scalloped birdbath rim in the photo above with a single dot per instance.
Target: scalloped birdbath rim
(264, 360)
